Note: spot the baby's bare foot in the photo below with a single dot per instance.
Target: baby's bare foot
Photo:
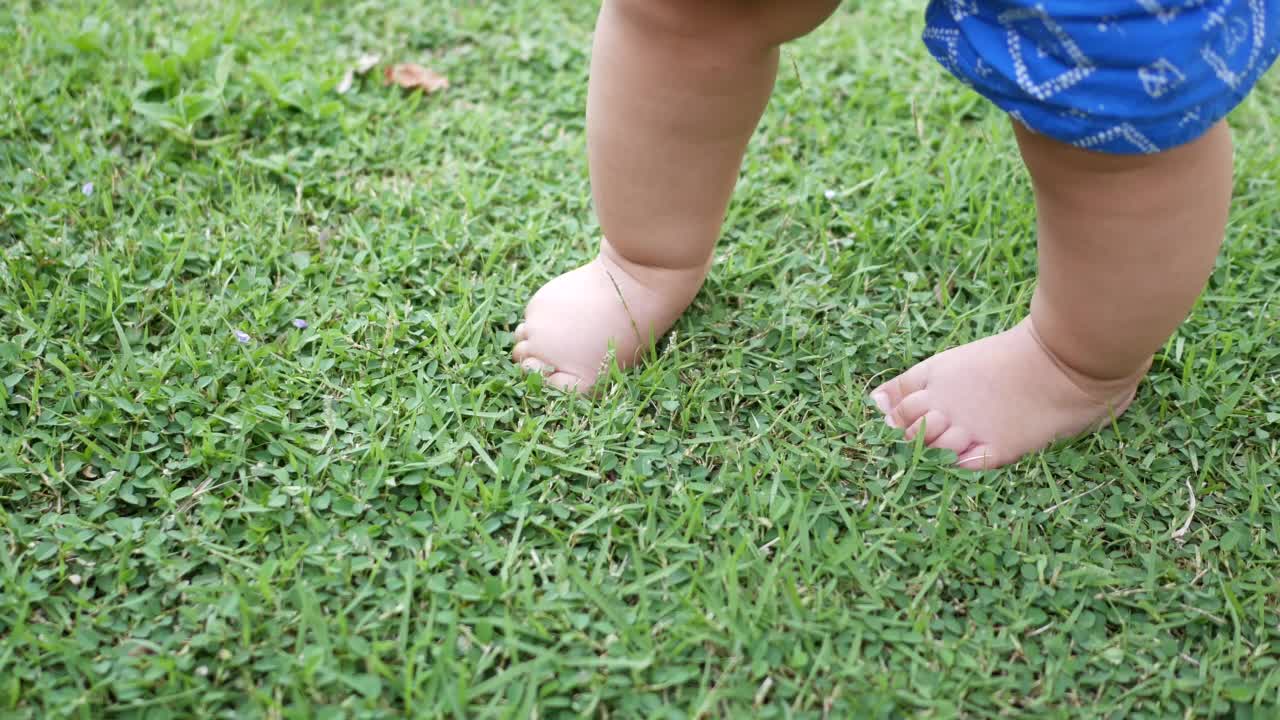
(573, 321)
(997, 399)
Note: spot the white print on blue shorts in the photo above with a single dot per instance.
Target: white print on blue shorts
(1116, 76)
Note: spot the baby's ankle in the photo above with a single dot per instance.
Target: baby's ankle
(1102, 386)
(662, 278)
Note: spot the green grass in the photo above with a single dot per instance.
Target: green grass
(377, 515)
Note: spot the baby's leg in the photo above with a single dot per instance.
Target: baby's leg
(1126, 244)
(676, 90)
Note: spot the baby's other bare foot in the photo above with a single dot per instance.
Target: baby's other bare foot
(994, 400)
(573, 321)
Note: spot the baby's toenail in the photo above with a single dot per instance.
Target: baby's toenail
(882, 401)
(535, 365)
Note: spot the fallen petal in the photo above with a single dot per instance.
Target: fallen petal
(366, 62)
(348, 79)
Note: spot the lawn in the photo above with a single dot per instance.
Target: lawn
(262, 452)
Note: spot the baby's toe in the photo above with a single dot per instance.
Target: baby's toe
(521, 351)
(910, 409)
(933, 423)
(567, 381)
(888, 395)
(534, 365)
(979, 457)
(955, 438)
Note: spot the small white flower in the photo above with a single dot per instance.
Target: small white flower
(242, 336)
(830, 194)
(87, 189)
(75, 579)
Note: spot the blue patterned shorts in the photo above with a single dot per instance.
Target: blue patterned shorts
(1116, 76)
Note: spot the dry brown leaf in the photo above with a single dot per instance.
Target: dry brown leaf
(411, 76)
